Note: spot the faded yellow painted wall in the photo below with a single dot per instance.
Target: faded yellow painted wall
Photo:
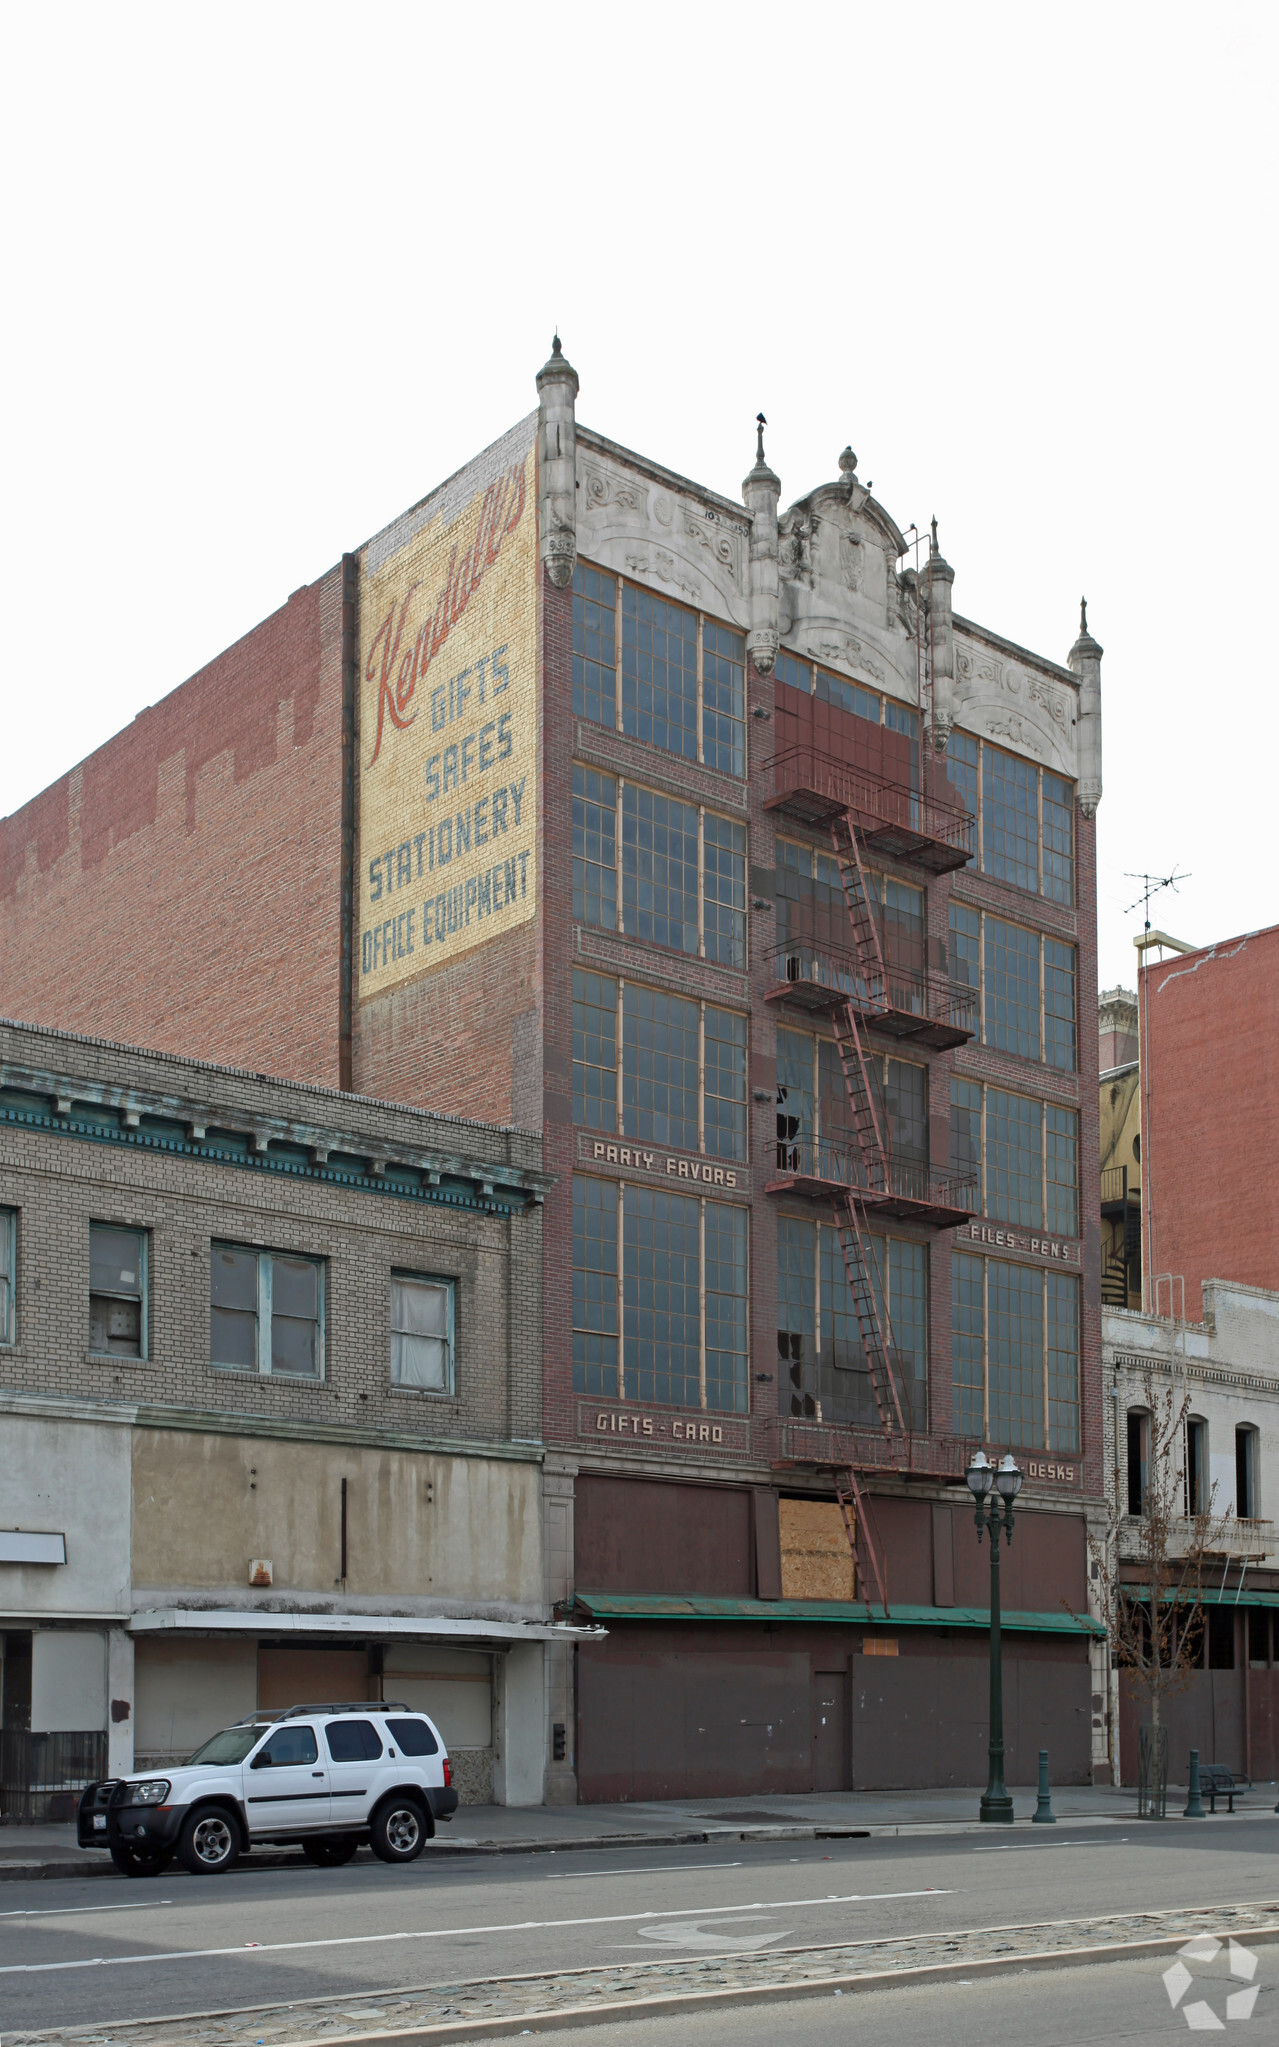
(816, 1560)
(1120, 1103)
(418, 1525)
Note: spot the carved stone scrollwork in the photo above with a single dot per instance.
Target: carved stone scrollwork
(663, 568)
(605, 491)
(719, 544)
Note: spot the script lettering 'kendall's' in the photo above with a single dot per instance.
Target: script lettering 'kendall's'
(501, 510)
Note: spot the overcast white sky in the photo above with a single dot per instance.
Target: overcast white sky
(274, 270)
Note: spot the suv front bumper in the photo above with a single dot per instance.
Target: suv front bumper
(151, 1829)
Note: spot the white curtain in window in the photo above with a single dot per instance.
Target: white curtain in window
(420, 1334)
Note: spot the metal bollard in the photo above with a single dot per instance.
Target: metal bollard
(1194, 1802)
(1043, 1815)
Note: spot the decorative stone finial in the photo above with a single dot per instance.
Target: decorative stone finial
(1083, 614)
(848, 463)
(557, 368)
(934, 549)
(760, 424)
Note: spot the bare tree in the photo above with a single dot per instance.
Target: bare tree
(1155, 1625)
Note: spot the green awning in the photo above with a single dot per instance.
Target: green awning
(665, 1606)
(1220, 1595)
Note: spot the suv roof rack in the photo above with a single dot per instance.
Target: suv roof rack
(350, 1706)
(266, 1715)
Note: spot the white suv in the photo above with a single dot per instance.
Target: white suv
(323, 1777)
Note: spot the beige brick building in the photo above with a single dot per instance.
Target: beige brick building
(270, 1409)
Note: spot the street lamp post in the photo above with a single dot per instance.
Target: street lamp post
(996, 1806)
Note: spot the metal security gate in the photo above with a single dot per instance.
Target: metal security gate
(42, 1775)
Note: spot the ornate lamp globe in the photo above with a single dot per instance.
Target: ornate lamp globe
(1008, 1479)
(981, 1475)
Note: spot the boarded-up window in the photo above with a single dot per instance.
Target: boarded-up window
(817, 1561)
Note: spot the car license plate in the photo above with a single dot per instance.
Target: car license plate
(99, 1823)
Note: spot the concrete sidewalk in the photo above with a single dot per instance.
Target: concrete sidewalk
(29, 1852)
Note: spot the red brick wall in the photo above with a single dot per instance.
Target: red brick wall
(180, 888)
(1210, 1115)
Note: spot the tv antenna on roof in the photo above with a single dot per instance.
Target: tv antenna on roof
(1152, 883)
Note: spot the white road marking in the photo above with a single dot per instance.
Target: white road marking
(65, 1911)
(565, 1876)
(695, 1937)
(1029, 1847)
(276, 1947)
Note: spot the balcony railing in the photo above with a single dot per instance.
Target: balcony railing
(814, 1442)
(814, 788)
(823, 1168)
(927, 1009)
(1115, 1189)
(1238, 1539)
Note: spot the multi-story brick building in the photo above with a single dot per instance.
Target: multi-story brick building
(270, 1402)
(712, 844)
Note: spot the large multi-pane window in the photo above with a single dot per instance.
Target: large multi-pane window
(651, 1092)
(1027, 1169)
(659, 869)
(1025, 982)
(724, 890)
(660, 1289)
(813, 934)
(683, 880)
(822, 1370)
(594, 646)
(815, 1131)
(594, 848)
(1024, 816)
(8, 1274)
(1015, 1353)
(659, 671)
(660, 1068)
(723, 698)
(683, 675)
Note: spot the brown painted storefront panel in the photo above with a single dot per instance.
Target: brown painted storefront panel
(831, 1744)
(310, 1677)
(921, 1720)
(1207, 1715)
(1045, 1564)
(658, 1719)
(641, 1535)
(1263, 1719)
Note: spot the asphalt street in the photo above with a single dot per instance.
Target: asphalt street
(81, 1951)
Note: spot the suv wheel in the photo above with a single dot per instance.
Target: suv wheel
(210, 1843)
(132, 1862)
(331, 1853)
(399, 1830)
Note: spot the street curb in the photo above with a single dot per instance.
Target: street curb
(576, 2016)
(35, 1872)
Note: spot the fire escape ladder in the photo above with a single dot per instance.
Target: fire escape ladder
(859, 1522)
(872, 1323)
(866, 941)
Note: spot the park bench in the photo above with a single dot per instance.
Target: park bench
(1218, 1782)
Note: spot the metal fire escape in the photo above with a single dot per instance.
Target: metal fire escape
(872, 1175)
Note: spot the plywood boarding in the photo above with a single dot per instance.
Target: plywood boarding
(817, 1562)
